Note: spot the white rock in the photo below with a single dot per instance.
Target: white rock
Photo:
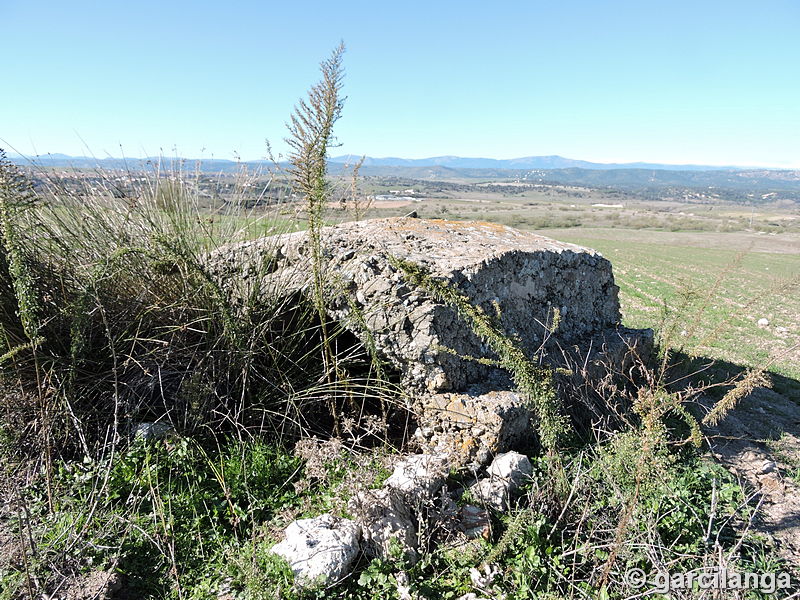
(403, 586)
(505, 475)
(762, 322)
(483, 579)
(512, 466)
(419, 476)
(320, 550)
(152, 431)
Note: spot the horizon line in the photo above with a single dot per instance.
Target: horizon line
(355, 157)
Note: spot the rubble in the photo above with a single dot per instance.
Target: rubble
(557, 301)
(385, 519)
(419, 476)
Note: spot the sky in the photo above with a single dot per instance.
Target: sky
(703, 82)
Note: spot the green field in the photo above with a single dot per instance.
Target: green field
(735, 279)
(736, 264)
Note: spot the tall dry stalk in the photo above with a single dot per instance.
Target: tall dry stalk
(310, 136)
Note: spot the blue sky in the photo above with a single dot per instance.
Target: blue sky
(706, 81)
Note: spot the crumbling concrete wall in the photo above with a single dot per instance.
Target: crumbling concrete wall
(520, 278)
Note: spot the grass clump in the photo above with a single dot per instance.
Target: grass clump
(113, 317)
(165, 517)
(113, 313)
(16, 195)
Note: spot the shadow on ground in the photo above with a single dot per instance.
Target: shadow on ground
(759, 441)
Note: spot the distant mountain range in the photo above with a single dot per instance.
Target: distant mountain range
(533, 169)
(524, 163)
(452, 162)
(206, 165)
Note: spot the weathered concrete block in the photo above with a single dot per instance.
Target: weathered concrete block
(471, 427)
(521, 279)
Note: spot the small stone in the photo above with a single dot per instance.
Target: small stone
(504, 477)
(403, 586)
(474, 522)
(511, 466)
(762, 322)
(769, 466)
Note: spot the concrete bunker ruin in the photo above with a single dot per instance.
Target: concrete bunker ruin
(558, 301)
